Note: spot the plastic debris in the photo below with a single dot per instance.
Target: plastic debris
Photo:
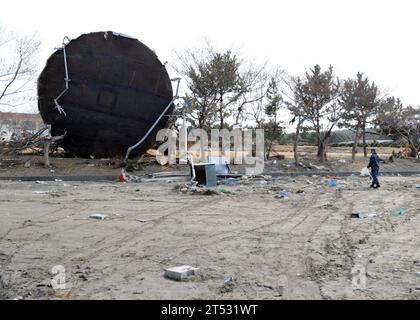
(399, 212)
(181, 272)
(223, 189)
(332, 182)
(284, 193)
(98, 216)
(228, 280)
(27, 164)
(365, 172)
(342, 161)
(40, 182)
(360, 215)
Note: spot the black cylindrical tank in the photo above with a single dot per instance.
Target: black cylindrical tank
(117, 90)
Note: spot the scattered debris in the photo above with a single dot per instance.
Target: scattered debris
(278, 289)
(228, 280)
(400, 212)
(342, 161)
(181, 272)
(332, 182)
(360, 215)
(280, 196)
(40, 182)
(365, 172)
(126, 177)
(284, 193)
(228, 285)
(223, 189)
(142, 221)
(198, 190)
(312, 166)
(27, 164)
(98, 216)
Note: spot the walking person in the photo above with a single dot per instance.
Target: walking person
(374, 167)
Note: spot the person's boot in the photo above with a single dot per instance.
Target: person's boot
(372, 185)
(377, 186)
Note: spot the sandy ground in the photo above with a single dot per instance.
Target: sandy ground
(303, 247)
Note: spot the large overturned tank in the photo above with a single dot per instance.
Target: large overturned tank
(105, 91)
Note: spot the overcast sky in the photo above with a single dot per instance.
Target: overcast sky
(378, 38)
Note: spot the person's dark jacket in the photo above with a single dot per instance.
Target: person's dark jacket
(374, 162)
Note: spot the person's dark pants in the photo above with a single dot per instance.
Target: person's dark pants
(375, 173)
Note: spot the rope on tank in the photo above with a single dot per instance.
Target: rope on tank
(156, 122)
(66, 79)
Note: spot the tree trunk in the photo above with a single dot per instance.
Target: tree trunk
(268, 150)
(353, 150)
(364, 138)
(321, 149)
(323, 153)
(318, 134)
(222, 123)
(295, 144)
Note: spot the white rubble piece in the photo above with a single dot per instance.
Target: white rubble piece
(181, 272)
(98, 216)
(365, 172)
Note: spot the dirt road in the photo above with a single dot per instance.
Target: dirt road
(303, 247)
